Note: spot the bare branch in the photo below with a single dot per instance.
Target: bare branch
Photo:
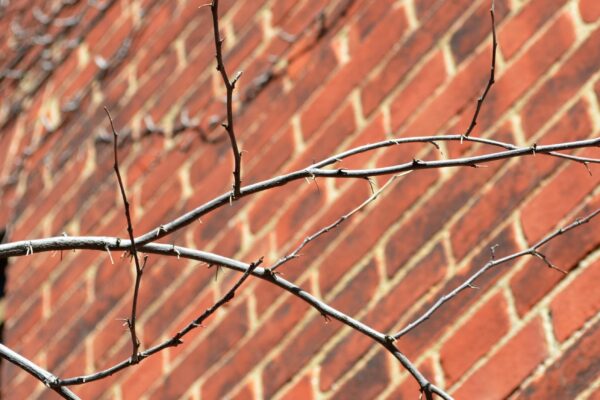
(315, 170)
(229, 86)
(533, 250)
(491, 81)
(135, 343)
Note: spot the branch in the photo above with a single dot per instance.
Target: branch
(339, 221)
(533, 251)
(229, 86)
(36, 371)
(98, 243)
(26, 247)
(172, 342)
(135, 343)
(315, 171)
(491, 81)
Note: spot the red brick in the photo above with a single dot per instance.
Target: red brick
(561, 86)
(508, 367)
(287, 315)
(522, 75)
(590, 10)
(368, 20)
(475, 28)
(410, 52)
(264, 164)
(407, 102)
(142, 376)
(387, 32)
(383, 316)
(169, 308)
(418, 229)
(416, 342)
(495, 206)
(246, 13)
(474, 338)
(564, 252)
(549, 205)
(296, 354)
(571, 373)
(517, 30)
(321, 146)
(576, 303)
(203, 354)
(300, 390)
(369, 381)
(356, 243)
(409, 388)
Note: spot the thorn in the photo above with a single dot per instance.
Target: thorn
(493, 250)
(109, 254)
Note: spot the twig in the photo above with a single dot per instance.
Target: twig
(533, 250)
(36, 371)
(135, 343)
(339, 221)
(229, 86)
(491, 81)
(173, 341)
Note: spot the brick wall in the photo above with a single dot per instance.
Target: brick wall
(319, 77)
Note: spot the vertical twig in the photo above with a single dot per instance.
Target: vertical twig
(491, 81)
(135, 343)
(229, 86)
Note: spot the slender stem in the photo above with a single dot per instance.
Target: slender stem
(491, 81)
(533, 250)
(135, 343)
(229, 87)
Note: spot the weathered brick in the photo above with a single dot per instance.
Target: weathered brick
(564, 252)
(590, 10)
(573, 372)
(562, 85)
(517, 30)
(508, 367)
(369, 381)
(576, 303)
(474, 338)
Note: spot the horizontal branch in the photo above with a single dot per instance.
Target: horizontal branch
(315, 170)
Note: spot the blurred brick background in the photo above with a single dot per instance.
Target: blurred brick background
(319, 77)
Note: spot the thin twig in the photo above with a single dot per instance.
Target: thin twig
(339, 221)
(139, 268)
(173, 341)
(533, 250)
(491, 81)
(229, 86)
